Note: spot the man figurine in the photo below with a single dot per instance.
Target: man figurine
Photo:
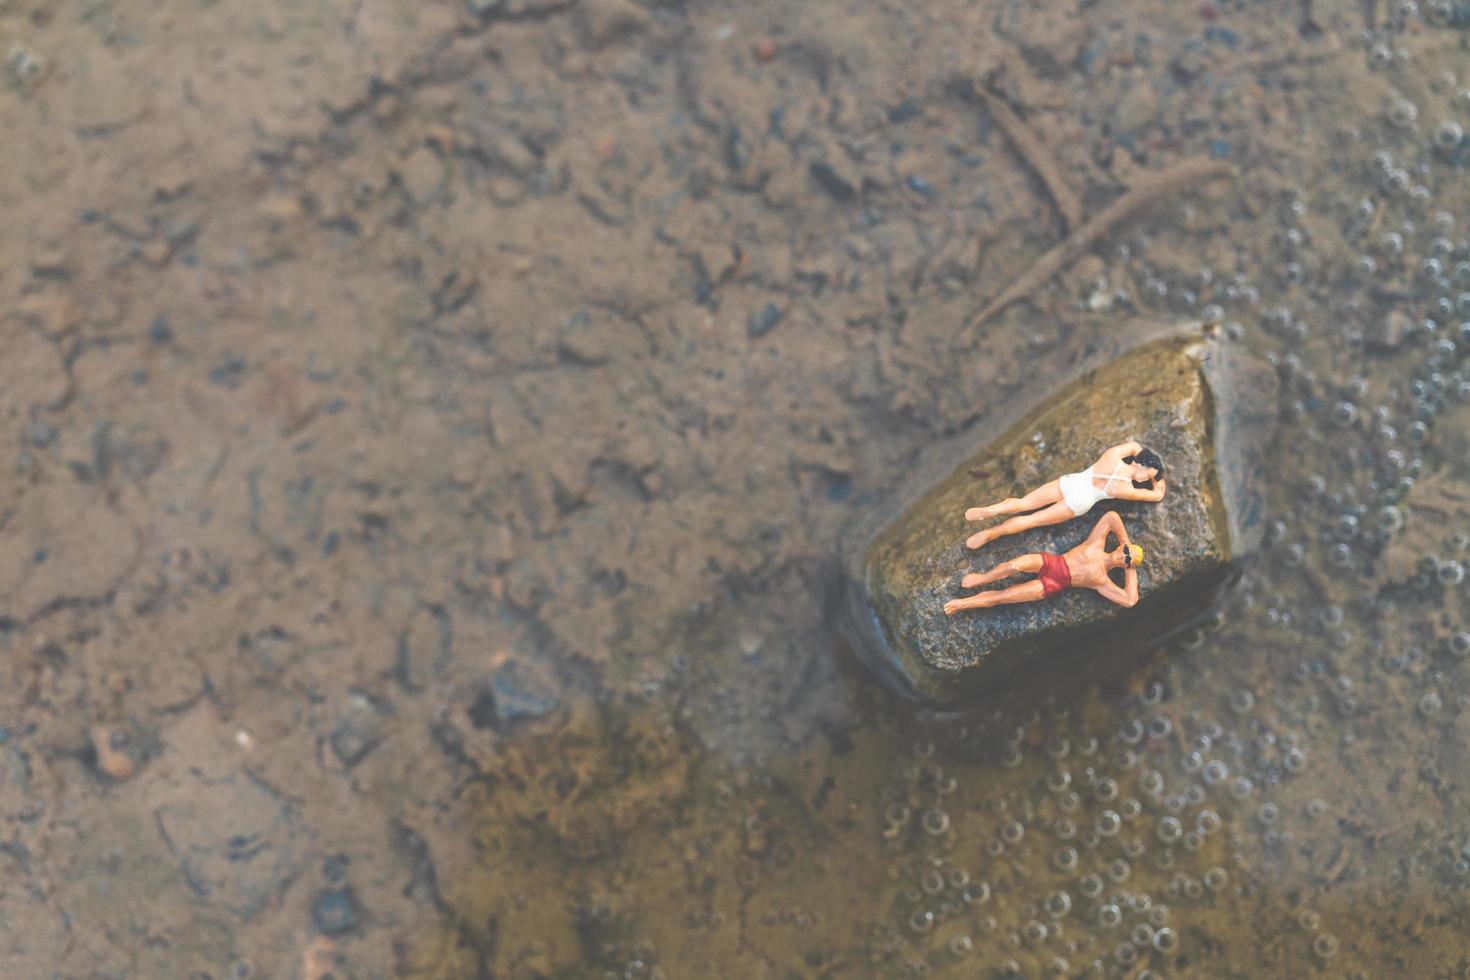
(1088, 566)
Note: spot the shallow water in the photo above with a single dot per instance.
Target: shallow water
(428, 431)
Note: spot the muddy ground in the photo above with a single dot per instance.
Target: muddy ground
(425, 431)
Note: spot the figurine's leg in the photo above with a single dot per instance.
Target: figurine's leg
(1025, 564)
(1055, 514)
(1025, 592)
(1047, 493)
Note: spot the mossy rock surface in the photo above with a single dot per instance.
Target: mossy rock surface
(1205, 406)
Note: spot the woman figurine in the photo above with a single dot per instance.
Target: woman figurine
(1125, 472)
(1088, 565)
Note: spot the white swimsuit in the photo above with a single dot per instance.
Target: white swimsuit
(1080, 493)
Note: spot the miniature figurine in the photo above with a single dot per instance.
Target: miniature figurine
(1089, 565)
(1140, 472)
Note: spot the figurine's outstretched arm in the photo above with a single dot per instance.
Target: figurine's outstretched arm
(1157, 493)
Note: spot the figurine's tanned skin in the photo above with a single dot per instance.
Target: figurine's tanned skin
(1084, 567)
(1126, 472)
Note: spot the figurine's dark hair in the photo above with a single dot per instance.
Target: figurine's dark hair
(1146, 457)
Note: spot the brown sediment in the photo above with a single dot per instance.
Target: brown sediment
(1037, 157)
(1164, 183)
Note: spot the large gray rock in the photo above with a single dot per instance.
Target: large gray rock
(1205, 406)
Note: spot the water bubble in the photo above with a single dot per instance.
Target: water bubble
(1450, 573)
(976, 894)
(1267, 813)
(1460, 645)
(1012, 833)
(1119, 870)
(1448, 134)
(1126, 954)
(1091, 885)
(1058, 780)
(1035, 932)
(1109, 916)
(1295, 760)
(1241, 787)
(1108, 823)
(1429, 703)
(936, 822)
(921, 921)
(1325, 945)
(1215, 772)
(1215, 878)
(1064, 829)
(1065, 858)
(1390, 519)
(1207, 822)
(960, 945)
(1057, 904)
(1308, 919)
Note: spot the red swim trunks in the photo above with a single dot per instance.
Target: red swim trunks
(1055, 575)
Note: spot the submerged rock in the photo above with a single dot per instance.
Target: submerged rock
(1207, 408)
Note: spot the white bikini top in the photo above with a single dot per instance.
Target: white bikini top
(1107, 480)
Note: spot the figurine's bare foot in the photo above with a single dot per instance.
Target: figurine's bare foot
(978, 540)
(972, 580)
(953, 606)
(979, 513)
